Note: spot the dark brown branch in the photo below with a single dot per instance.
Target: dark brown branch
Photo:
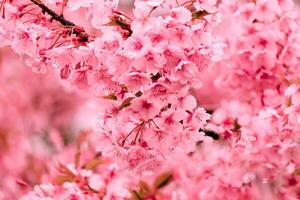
(78, 31)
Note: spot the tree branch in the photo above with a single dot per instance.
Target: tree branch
(77, 31)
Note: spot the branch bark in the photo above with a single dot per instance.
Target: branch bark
(83, 36)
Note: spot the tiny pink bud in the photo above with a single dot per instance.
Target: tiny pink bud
(42, 52)
(65, 72)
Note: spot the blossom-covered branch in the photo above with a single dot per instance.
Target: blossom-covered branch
(60, 18)
(152, 74)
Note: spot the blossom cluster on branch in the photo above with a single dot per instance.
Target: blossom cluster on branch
(194, 99)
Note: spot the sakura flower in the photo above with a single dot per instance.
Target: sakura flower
(208, 6)
(286, 4)
(153, 2)
(184, 72)
(172, 119)
(38, 65)
(137, 47)
(267, 11)
(135, 80)
(141, 10)
(188, 103)
(101, 12)
(147, 110)
(96, 182)
(24, 39)
(75, 5)
(181, 15)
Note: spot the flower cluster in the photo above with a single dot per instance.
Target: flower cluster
(152, 73)
(263, 53)
(88, 183)
(37, 116)
(138, 63)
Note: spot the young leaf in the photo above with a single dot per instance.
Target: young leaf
(77, 158)
(126, 103)
(65, 170)
(60, 180)
(163, 179)
(236, 126)
(92, 164)
(135, 195)
(144, 188)
(199, 14)
(110, 97)
(297, 172)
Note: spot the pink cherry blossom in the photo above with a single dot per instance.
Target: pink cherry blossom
(151, 99)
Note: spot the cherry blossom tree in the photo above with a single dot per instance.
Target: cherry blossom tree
(164, 99)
